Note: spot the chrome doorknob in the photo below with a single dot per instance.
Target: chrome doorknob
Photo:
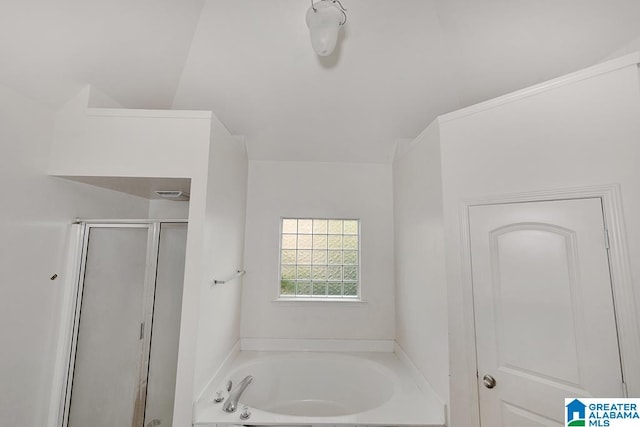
(489, 381)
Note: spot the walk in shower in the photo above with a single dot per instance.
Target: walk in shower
(124, 345)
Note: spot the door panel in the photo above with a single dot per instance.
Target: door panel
(108, 351)
(545, 325)
(522, 290)
(166, 324)
(514, 416)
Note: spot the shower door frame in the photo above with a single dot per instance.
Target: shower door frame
(78, 264)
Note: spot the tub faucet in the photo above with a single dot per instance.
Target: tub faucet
(232, 401)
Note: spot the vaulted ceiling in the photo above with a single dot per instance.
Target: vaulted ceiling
(398, 64)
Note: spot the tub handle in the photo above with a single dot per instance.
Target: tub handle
(245, 414)
(229, 385)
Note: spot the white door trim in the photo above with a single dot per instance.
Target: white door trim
(67, 309)
(623, 295)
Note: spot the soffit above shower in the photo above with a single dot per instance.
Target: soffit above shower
(141, 187)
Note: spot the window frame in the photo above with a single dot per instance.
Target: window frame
(320, 298)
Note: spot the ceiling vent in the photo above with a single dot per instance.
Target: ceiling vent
(175, 195)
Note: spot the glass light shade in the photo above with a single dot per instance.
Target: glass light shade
(324, 24)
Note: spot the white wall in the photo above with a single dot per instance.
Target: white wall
(167, 209)
(576, 133)
(35, 222)
(223, 233)
(317, 190)
(421, 288)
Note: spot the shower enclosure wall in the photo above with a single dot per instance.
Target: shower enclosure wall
(123, 352)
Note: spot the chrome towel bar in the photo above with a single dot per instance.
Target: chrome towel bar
(238, 273)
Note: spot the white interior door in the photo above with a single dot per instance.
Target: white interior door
(544, 316)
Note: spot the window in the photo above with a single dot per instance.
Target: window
(319, 258)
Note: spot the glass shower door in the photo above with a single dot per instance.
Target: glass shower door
(166, 325)
(109, 368)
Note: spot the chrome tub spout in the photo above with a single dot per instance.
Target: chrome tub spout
(232, 401)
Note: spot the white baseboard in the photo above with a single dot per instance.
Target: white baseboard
(333, 345)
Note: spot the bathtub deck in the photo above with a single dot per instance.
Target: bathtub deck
(413, 404)
(310, 425)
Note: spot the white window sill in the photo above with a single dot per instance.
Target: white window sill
(320, 300)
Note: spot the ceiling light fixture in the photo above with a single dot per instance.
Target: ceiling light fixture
(324, 20)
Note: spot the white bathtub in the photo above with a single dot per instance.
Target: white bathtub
(303, 388)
